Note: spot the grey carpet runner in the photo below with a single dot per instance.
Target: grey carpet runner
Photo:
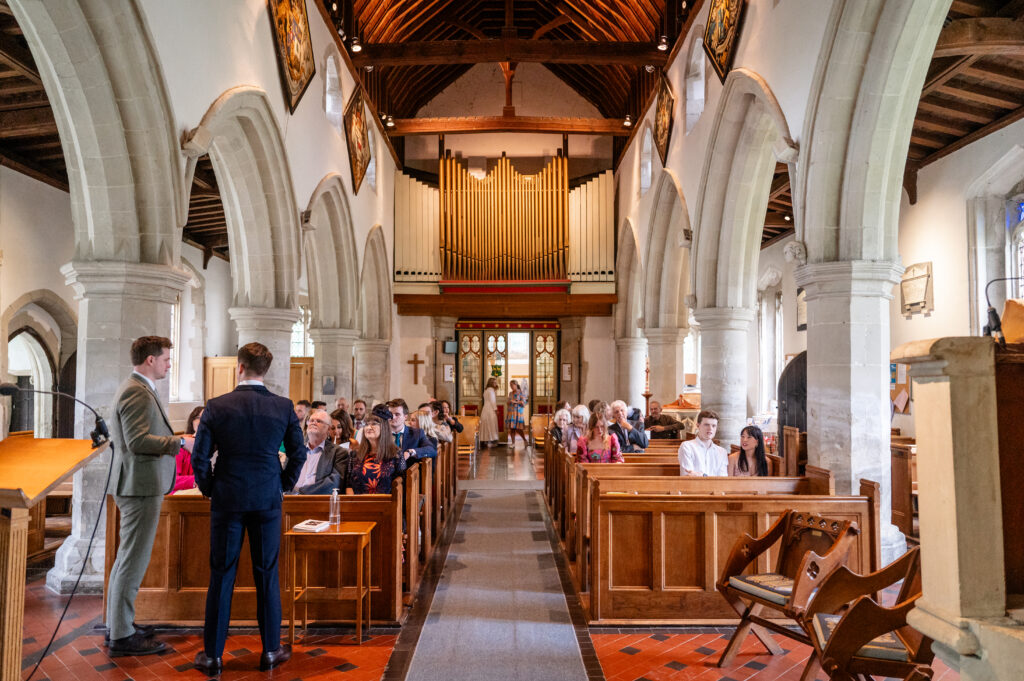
(499, 611)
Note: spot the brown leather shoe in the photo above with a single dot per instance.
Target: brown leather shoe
(135, 645)
(275, 658)
(211, 666)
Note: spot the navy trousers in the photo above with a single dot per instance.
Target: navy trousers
(227, 530)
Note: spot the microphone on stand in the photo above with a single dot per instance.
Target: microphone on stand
(99, 434)
(994, 327)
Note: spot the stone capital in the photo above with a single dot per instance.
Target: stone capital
(969, 356)
(263, 318)
(724, 318)
(339, 336)
(572, 323)
(861, 278)
(371, 344)
(635, 344)
(118, 280)
(665, 336)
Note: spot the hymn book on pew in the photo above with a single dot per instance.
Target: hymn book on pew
(312, 526)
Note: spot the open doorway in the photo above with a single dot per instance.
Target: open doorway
(31, 365)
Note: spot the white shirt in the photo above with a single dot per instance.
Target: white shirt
(698, 458)
(307, 476)
(151, 384)
(250, 381)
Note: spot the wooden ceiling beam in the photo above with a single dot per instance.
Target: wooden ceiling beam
(518, 50)
(15, 161)
(946, 126)
(980, 36)
(553, 24)
(18, 58)
(982, 94)
(487, 124)
(992, 127)
(938, 79)
(1001, 75)
(947, 107)
(35, 122)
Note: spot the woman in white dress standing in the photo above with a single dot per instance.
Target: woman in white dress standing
(489, 414)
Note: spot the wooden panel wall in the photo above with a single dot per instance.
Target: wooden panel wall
(219, 376)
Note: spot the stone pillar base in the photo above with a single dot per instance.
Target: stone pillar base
(630, 361)
(373, 375)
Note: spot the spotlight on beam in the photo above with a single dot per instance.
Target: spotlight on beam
(628, 122)
(356, 46)
(663, 43)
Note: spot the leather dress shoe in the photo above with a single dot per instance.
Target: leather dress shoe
(274, 658)
(143, 630)
(210, 665)
(135, 645)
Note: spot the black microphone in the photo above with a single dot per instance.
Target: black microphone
(100, 433)
(994, 327)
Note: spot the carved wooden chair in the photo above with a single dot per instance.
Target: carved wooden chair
(808, 546)
(855, 637)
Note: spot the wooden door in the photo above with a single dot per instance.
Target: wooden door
(220, 376)
(793, 399)
(300, 383)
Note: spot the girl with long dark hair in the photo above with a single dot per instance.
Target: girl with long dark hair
(751, 459)
(376, 462)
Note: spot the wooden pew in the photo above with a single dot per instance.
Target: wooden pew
(412, 514)
(657, 555)
(648, 479)
(904, 478)
(173, 590)
(794, 449)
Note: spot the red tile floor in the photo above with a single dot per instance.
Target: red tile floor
(78, 652)
(652, 656)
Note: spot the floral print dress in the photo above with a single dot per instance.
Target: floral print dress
(372, 476)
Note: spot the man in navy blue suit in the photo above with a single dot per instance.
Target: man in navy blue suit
(246, 428)
(412, 442)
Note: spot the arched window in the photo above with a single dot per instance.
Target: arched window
(646, 161)
(371, 167)
(695, 81)
(1016, 214)
(333, 105)
(302, 343)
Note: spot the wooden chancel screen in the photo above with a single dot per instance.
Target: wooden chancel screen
(507, 226)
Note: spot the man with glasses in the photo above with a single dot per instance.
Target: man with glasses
(326, 464)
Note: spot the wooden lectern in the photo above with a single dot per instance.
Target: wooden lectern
(29, 470)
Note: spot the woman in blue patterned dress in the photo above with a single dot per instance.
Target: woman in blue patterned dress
(376, 462)
(514, 419)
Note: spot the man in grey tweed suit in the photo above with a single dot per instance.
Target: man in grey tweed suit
(145, 450)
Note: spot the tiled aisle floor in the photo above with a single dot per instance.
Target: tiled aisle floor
(78, 652)
(663, 656)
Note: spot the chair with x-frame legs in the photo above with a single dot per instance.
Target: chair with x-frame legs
(809, 545)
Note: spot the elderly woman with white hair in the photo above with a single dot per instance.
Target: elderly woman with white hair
(560, 425)
(577, 427)
(631, 437)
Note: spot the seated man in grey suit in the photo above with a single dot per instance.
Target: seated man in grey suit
(326, 464)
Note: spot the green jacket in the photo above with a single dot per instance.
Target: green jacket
(144, 441)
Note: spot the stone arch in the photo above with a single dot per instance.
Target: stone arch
(628, 289)
(43, 367)
(695, 81)
(103, 81)
(375, 289)
(332, 263)
(242, 137)
(668, 256)
(749, 132)
(857, 132)
(55, 306)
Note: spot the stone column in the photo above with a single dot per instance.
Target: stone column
(117, 303)
(373, 375)
(442, 329)
(333, 350)
(273, 327)
(569, 353)
(665, 357)
(723, 367)
(630, 362)
(848, 408)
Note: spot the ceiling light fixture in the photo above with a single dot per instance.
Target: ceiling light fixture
(649, 68)
(628, 122)
(334, 6)
(662, 43)
(356, 46)
(684, 4)
(786, 218)
(389, 121)
(369, 68)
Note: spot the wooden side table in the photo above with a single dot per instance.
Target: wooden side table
(345, 536)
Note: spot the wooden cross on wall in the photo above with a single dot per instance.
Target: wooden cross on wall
(416, 362)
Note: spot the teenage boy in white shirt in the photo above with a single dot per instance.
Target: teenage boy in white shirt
(701, 456)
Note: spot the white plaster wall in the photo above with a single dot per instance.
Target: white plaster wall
(192, 35)
(599, 359)
(412, 336)
(536, 91)
(36, 238)
(221, 338)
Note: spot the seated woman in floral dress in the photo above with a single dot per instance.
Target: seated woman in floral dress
(598, 445)
(376, 462)
(184, 477)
